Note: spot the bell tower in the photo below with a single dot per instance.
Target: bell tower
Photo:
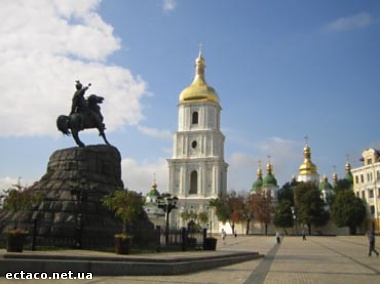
(197, 170)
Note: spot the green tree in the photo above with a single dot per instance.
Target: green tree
(203, 218)
(127, 205)
(286, 192)
(283, 216)
(19, 198)
(341, 185)
(199, 219)
(226, 207)
(348, 210)
(309, 205)
(188, 216)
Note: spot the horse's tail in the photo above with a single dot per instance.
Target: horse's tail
(63, 124)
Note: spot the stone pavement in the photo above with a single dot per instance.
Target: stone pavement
(317, 260)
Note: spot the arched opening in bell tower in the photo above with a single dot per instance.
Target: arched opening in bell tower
(194, 118)
(193, 182)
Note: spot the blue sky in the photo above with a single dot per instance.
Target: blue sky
(282, 69)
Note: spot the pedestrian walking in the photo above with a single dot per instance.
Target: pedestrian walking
(278, 238)
(371, 242)
(224, 235)
(303, 235)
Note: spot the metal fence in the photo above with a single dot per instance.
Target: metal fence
(141, 242)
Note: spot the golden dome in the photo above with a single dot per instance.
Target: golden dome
(307, 166)
(269, 168)
(198, 89)
(154, 185)
(259, 172)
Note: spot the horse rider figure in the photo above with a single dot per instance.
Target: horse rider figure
(93, 109)
(79, 103)
(85, 114)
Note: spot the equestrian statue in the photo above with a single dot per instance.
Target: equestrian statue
(85, 114)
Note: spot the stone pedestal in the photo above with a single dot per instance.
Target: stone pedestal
(74, 184)
(72, 213)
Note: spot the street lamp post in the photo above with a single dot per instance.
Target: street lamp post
(168, 203)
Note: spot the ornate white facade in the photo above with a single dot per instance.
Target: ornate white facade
(366, 180)
(197, 170)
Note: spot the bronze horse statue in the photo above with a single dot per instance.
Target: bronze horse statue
(88, 117)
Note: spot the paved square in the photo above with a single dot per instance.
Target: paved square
(318, 260)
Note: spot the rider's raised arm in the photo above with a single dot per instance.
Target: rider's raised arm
(88, 86)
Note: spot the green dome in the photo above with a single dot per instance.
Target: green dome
(349, 178)
(325, 185)
(153, 192)
(258, 184)
(270, 180)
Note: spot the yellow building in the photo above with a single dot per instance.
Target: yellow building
(366, 181)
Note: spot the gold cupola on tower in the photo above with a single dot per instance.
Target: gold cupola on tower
(199, 90)
(348, 176)
(307, 167)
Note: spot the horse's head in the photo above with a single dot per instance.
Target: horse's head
(94, 99)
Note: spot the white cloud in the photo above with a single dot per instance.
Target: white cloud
(7, 182)
(353, 22)
(163, 134)
(286, 156)
(169, 5)
(44, 47)
(139, 176)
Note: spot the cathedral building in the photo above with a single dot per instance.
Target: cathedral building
(197, 169)
(267, 185)
(307, 173)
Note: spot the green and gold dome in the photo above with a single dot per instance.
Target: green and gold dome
(199, 90)
(258, 184)
(349, 176)
(153, 193)
(270, 180)
(324, 184)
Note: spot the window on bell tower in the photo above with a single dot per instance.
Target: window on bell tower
(194, 119)
(193, 182)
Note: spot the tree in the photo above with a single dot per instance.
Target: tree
(341, 185)
(348, 210)
(286, 192)
(127, 205)
(262, 208)
(226, 208)
(247, 212)
(241, 210)
(188, 216)
(19, 198)
(199, 219)
(283, 216)
(309, 205)
(203, 218)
